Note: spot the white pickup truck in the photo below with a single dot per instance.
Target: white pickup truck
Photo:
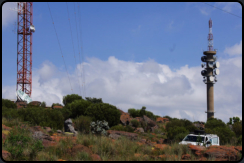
(206, 139)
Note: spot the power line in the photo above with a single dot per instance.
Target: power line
(72, 43)
(59, 46)
(222, 10)
(83, 68)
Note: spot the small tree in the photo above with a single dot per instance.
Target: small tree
(143, 111)
(43, 104)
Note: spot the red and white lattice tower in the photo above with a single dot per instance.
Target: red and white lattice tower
(24, 46)
(210, 36)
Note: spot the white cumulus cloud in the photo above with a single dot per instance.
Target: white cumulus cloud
(234, 50)
(8, 16)
(180, 93)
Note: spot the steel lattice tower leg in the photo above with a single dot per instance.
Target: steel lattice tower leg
(24, 47)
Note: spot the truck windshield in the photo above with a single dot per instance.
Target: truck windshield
(192, 138)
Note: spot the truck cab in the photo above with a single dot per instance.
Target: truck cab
(206, 139)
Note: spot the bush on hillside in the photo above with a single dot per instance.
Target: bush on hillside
(9, 104)
(224, 134)
(237, 129)
(42, 117)
(70, 98)
(104, 111)
(173, 132)
(150, 115)
(9, 113)
(133, 112)
(214, 122)
(82, 124)
(135, 123)
(43, 104)
(143, 111)
(94, 100)
(77, 107)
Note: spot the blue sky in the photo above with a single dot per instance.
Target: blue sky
(135, 54)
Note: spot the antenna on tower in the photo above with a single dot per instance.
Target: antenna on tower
(210, 36)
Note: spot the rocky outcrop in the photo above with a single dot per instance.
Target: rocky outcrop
(162, 120)
(68, 127)
(149, 122)
(222, 153)
(35, 103)
(125, 119)
(57, 107)
(131, 136)
(139, 129)
(114, 136)
(186, 157)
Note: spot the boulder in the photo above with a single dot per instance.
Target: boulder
(186, 157)
(162, 120)
(39, 135)
(153, 129)
(48, 129)
(149, 122)
(35, 103)
(59, 131)
(68, 127)
(125, 119)
(139, 119)
(131, 136)
(139, 129)
(57, 107)
(222, 153)
(114, 136)
(198, 150)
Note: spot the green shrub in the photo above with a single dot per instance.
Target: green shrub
(143, 111)
(94, 100)
(175, 131)
(150, 115)
(133, 112)
(8, 104)
(9, 113)
(118, 127)
(135, 123)
(43, 104)
(82, 124)
(78, 107)
(188, 125)
(99, 127)
(70, 98)
(104, 111)
(129, 128)
(224, 133)
(237, 128)
(214, 122)
(239, 142)
(42, 117)
(179, 137)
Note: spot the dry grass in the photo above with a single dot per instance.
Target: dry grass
(119, 150)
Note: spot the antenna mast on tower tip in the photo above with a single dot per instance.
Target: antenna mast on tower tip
(210, 36)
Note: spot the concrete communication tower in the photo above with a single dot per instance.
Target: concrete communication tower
(210, 72)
